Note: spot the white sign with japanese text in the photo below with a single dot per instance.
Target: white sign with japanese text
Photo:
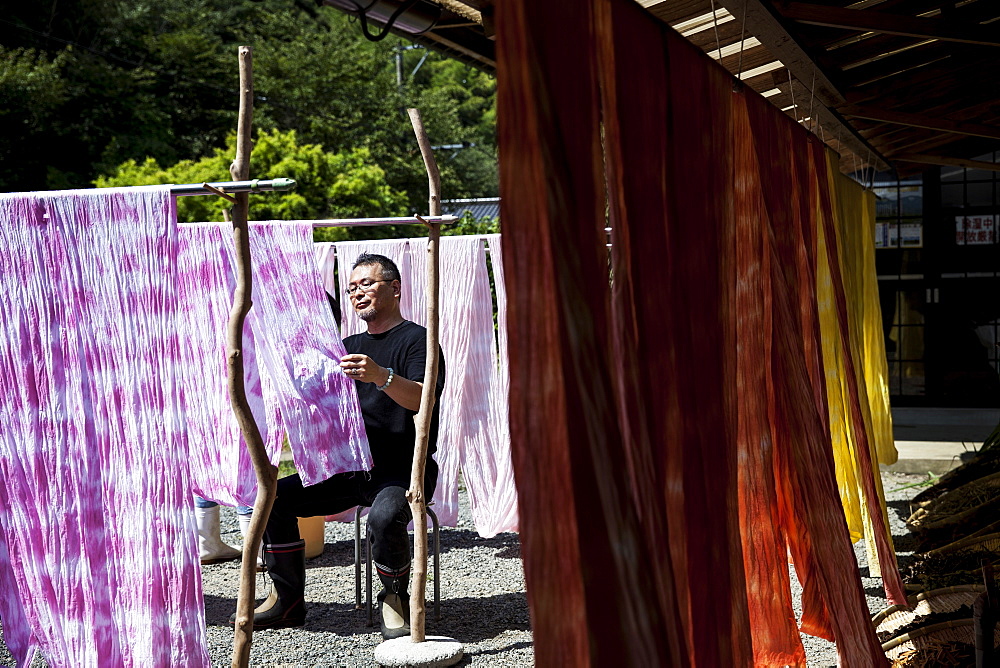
(975, 230)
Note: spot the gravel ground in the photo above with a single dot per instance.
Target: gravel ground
(483, 604)
(820, 652)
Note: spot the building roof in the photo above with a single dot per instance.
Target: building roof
(888, 84)
(481, 207)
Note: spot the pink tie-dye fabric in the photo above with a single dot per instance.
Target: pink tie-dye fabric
(469, 347)
(292, 362)
(398, 251)
(95, 509)
(221, 469)
(495, 508)
(298, 345)
(474, 434)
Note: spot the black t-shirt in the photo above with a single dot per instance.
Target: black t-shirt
(391, 432)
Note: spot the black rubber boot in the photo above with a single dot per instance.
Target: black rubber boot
(286, 606)
(394, 601)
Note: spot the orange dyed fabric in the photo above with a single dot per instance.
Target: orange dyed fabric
(668, 415)
(773, 627)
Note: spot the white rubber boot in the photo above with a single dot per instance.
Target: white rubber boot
(211, 549)
(244, 531)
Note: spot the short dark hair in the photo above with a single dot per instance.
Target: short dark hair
(390, 272)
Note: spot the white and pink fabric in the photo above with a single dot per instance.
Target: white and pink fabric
(293, 378)
(489, 472)
(473, 435)
(221, 469)
(326, 263)
(397, 250)
(99, 556)
(298, 343)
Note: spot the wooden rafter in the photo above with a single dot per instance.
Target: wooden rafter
(883, 70)
(469, 53)
(947, 162)
(765, 26)
(921, 121)
(891, 24)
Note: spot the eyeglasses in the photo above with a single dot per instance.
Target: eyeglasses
(365, 285)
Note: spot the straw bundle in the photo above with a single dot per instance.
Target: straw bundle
(955, 564)
(984, 464)
(958, 513)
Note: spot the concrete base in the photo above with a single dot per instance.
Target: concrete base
(402, 652)
(935, 457)
(934, 440)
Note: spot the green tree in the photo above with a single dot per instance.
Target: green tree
(345, 184)
(128, 80)
(31, 93)
(467, 224)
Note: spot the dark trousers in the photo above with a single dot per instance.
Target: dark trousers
(387, 519)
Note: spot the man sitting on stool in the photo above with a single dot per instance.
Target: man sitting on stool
(387, 362)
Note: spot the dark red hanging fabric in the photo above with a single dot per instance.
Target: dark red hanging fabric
(595, 586)
(664, 264)
(700, 427)
(784, 173)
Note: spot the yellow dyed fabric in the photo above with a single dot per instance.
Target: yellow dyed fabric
(854, 213)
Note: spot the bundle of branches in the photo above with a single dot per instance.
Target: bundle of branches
(957, 566)
(953, 654)
(986, 462)
(957, 514)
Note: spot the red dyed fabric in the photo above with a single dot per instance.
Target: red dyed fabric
(773, 627)
(833, 601)
(658, 386)
(668, 422)
(587, 564)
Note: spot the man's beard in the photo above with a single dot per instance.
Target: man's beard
(368, 314)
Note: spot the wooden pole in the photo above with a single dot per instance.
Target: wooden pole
(267, 475)
(422, 420)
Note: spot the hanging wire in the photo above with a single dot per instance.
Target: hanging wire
(812, 97)
(715, 24)
(743, 34)
(791, 90)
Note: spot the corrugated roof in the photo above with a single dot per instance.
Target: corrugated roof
(480, 207)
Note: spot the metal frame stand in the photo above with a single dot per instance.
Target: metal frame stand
(436, 533)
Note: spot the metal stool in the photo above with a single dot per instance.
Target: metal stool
(368, 570)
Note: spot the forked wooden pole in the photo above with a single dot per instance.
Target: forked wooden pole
(422, 420)
(267, 475)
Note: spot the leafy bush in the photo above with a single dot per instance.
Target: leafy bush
(346, 184)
